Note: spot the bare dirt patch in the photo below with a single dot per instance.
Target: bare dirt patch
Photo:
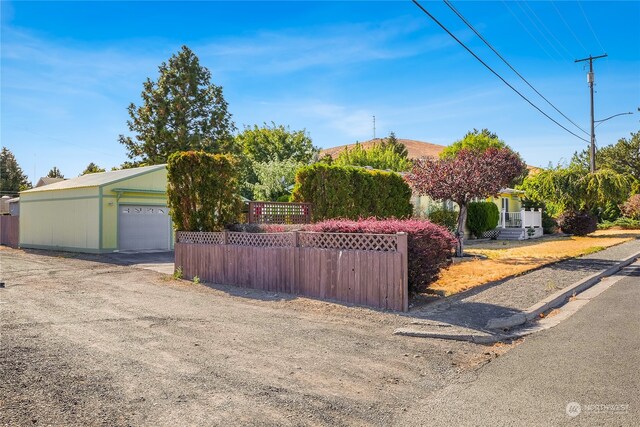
(87, 343)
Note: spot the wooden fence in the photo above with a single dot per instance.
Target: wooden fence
(9, 230)
(363, 269)
(279, 213)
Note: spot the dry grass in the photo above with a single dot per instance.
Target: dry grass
(508, 258)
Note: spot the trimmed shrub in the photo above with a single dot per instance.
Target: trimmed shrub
(631, 208)
(264, 228)
(482, 217)
(202, 191)
(352, 192)
(430, 246)
(549, 225)
(445, 218)
(623, 223)
(578, 223)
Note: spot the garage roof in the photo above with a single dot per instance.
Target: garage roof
(96, 179)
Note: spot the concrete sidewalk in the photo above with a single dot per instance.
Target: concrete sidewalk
(465, 316)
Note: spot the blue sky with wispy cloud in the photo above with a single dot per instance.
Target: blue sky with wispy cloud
(70, 69)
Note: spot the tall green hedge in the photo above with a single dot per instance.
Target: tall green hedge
(481, 217)
(203, 191)
(352, 192)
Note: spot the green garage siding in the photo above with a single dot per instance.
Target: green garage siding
(81, 214)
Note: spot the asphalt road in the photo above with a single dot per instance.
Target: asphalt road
(585, 371)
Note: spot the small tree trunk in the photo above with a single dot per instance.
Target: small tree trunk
(462, 220)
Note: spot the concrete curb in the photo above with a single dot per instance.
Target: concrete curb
(557, 298)
(474, 338)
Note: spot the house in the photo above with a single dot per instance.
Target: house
(46, 180)
(514, 221)
(96, 213)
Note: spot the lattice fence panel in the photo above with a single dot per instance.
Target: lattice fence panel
(200, 237)
(270, 240)
(352, 241)
(279, 213)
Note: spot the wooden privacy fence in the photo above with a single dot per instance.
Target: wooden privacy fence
(279, 213)
(363, 269)
(9, 230)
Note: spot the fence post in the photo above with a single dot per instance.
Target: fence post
(225, 237)
(250, 214)
(401, 244)
(523, 218)
(295, 265)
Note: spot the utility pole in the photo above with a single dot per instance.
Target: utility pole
(590, 80)
(374, 127)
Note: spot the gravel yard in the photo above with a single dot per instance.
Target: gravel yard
(90, 343)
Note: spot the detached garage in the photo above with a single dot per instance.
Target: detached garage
(102, 212)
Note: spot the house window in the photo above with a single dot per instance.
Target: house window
(505, 204)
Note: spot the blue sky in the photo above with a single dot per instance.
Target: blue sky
(70, 69)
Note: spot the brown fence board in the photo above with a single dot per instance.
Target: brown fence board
(9, 230)
(375, 277)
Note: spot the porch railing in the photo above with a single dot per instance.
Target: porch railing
(523, 219)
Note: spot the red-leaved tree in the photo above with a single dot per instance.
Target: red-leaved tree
(463, 178)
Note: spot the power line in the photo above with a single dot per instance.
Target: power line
(534, 38)
(568, 26)
(493, 71)
(538, 29)
(535, 15)
(590, 27)
(448, 3)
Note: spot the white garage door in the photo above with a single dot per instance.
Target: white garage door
(143, 227)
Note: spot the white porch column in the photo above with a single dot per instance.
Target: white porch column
(502, 219)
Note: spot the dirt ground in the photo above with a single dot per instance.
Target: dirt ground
(91, 343)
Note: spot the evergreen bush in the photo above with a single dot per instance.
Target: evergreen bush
(482, 217)
(352, 192)
(202, 191)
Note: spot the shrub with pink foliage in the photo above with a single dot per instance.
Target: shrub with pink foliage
(631, 208)
(430, 246)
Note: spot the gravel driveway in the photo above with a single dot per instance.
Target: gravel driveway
(89, 343)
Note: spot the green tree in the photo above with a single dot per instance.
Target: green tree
(478, 141)
(92, 168)
(276, 142)
(12, 178)
(270, 143)
(622, 157)
(395, 145)
(378, 156)
(181, 111)
(275, 179)
(55, 173)
(580, 160)
(475, 140)
(574, 189)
